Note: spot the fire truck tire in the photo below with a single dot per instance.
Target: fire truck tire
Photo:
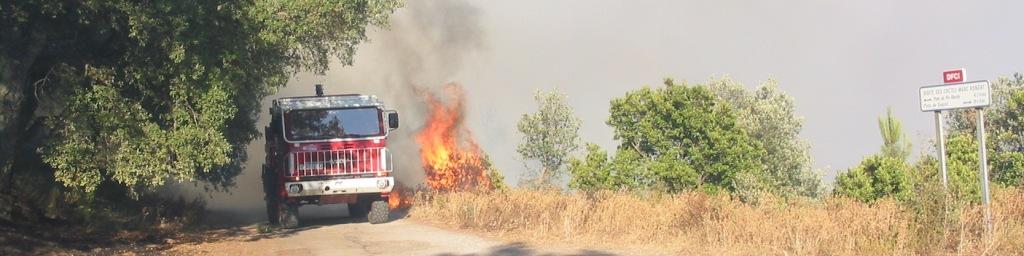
(289, 216)
(272, 212)
(273, 203)
(379, 212)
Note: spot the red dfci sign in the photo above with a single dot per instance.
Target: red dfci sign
(953, 76)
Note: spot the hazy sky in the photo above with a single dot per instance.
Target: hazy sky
(843, 61)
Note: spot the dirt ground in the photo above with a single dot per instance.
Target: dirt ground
(329, 232)
(324, 230)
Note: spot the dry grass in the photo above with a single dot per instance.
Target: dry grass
(695, 223)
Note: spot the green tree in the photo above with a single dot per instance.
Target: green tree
(884, 174)
(894, 140)
(136, 93)
(1007, 140)
(962, 166)
(682, 137)
(549, 136)
(597, 171)
(856, 183)
(769, 116)
(876, 177)
(494, 175)
(594, 171)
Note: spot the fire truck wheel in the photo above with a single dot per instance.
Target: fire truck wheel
(289, 216)
(273, 209)
(378, 212)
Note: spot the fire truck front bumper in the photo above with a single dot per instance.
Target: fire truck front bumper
(340, 186)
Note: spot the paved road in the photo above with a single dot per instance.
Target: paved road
(334, 234)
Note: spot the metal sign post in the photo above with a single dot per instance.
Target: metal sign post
(983, 164)
(977, 95)
(942, 148)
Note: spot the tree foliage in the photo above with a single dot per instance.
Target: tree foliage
(884, 174)
(876, 177)
(769, 116)
(1007, 139)
(675, 137)
(894, 140)
(549, 136)
(962, 168)
(494, 176)
(594, 171)
(138, 93)
(626, 170)
(888, 174)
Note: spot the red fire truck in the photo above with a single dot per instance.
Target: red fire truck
(328, 149)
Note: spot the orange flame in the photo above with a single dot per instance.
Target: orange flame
(400, 197)
(394, 199)
(450, 156)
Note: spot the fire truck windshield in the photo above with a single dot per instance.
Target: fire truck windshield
(324, 124)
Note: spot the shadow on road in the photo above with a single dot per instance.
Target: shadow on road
(252, 223)
(520, 248)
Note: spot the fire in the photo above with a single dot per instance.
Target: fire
(400, 197)
(394, 199)
(450, 156)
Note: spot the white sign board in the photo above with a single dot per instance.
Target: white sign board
(953, 96)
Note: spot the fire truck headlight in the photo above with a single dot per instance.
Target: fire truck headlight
(382, 183)
(295, 188)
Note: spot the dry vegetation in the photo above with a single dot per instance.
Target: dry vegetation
(697, 223)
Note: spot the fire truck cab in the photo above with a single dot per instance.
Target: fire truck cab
(328, 149)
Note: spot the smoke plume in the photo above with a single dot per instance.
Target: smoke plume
(427, 44)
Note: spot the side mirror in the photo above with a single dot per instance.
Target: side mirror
(392, 119)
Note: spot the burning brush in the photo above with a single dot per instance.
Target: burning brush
(450, 156)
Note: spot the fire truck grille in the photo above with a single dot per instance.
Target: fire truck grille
(339, 162)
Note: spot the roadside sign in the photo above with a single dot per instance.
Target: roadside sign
(953, 76)
(954, 96)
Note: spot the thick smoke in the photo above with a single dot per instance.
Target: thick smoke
(426, 46)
